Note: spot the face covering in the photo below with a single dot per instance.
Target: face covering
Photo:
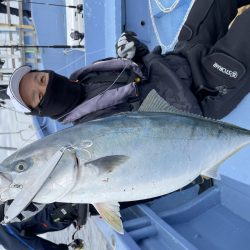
(61, 96)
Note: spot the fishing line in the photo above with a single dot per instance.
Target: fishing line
(17, 133)
(66, 66)
(41, 46)
(13, 133)
(84, 56)
(117, 78)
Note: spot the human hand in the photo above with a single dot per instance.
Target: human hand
(125, 46)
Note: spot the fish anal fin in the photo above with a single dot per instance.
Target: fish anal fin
(110, 212)
(108, 163)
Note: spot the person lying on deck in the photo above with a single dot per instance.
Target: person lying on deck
(207, 73)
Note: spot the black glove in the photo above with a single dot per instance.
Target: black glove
(128, 46)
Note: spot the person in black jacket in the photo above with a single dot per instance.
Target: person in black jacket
(207, 72)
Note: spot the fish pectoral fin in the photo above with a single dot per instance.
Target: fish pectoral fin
(212, 172)
(108, 163)
(110, 212)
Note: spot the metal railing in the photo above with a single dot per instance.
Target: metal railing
(16, 33)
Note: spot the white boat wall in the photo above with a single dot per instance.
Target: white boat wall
(75, 23)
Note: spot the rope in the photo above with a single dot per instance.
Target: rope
(166, 10)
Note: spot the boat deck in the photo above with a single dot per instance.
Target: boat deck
(215, 219)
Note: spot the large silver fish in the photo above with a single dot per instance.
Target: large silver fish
(125, 157)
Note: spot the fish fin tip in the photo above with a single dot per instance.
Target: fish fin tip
(212, 172)
(110, 212)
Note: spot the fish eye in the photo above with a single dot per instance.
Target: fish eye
(21, 166)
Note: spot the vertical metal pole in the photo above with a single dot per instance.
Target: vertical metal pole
(10, 33)
(21, 32)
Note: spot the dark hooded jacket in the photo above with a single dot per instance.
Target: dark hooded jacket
(169, 75)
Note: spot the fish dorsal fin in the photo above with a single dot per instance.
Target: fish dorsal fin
(108, 163)
(155, 103)
(110, 212)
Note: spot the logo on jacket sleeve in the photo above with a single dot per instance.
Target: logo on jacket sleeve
(233, 74)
